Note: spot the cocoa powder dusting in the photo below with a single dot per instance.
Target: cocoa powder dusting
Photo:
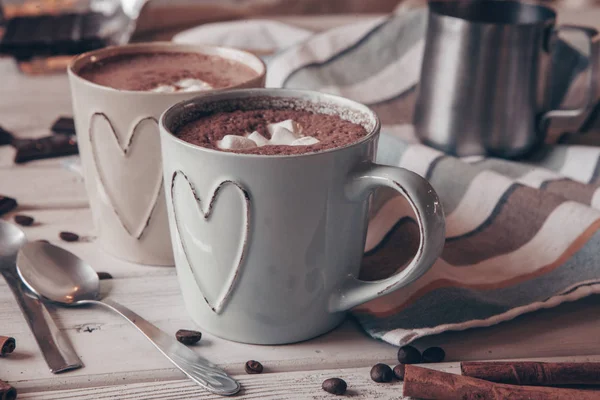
(331, 130)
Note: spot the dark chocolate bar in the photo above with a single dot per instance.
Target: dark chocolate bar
(57, 145)
(48, 35)
(64, 125)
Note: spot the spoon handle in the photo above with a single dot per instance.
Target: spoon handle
(198, 369)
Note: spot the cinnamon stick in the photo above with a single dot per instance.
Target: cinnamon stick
(7, 392)
(427, 383)
(7, 345)
(534, 373)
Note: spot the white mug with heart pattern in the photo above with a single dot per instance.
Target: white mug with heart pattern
(119, 145)
(268, 248)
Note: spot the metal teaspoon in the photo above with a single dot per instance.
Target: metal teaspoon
(60, 276)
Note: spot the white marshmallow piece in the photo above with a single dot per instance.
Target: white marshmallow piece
(259, 139)
(288, 124)
(282, 136)
(164, 89)
(234, 142)
(305, 141)
(192, 84)
(285, 133)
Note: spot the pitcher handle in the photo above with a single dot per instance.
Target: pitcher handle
(430, 217)
(592, 77)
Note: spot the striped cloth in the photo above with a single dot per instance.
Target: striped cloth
(521, 236)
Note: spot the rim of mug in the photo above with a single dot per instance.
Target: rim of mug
(436, 5)
(273, 93)
(245, 57)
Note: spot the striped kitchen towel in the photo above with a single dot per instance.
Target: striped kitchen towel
(521, 236)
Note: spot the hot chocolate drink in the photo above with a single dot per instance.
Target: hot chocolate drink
(167, 72)
(271, 131)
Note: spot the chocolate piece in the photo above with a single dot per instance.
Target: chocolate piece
(334, 386)
(399, 372)
(47, 35)
(64, 125)
(7, 204)
(47, 147)
(253, 367)
(69, 236)
(382, 373)
(188, 337)
(104, 275)
(5, 137)
(24, 220)
(434, 355)
(409, 355)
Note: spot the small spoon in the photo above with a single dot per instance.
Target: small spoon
(60, 276)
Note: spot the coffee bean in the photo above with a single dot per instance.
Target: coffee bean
(399, 372)
(382, 373)
(8, 345)
(334, 386)
(253, 367)
(434, 355)
(188, 337)
(24, 220)
(409, 355)
(106, 275)
(69, 236)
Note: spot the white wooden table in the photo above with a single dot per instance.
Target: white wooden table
(121, 364)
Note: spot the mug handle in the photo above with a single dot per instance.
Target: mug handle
(592, 77)
(432, 227)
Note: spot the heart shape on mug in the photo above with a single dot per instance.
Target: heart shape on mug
(130, 174)
(214, 240)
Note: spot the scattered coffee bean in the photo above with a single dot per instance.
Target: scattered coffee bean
(253, 367)
(409, 355)
(334, 386)
(7, 345)
(399, 372)
(64, 125)
(24, 220)
(187, 337)
(7, 204)
(434, 355)
(69, 236)
(382, 373)
(42, 241)
(106, 275)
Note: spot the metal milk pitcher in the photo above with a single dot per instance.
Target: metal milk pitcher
(485, 78)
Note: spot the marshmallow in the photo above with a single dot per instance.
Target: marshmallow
(305, 141)
(282, 136)
(164, 89)
(288, 124)
(259, 139)
(285, 133)
(183, 85)
(234, 142)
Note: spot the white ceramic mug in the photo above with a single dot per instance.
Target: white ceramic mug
(268, 248)
(117, 135)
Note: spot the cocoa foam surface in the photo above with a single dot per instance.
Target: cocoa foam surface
(331, 130)
(146, 71)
